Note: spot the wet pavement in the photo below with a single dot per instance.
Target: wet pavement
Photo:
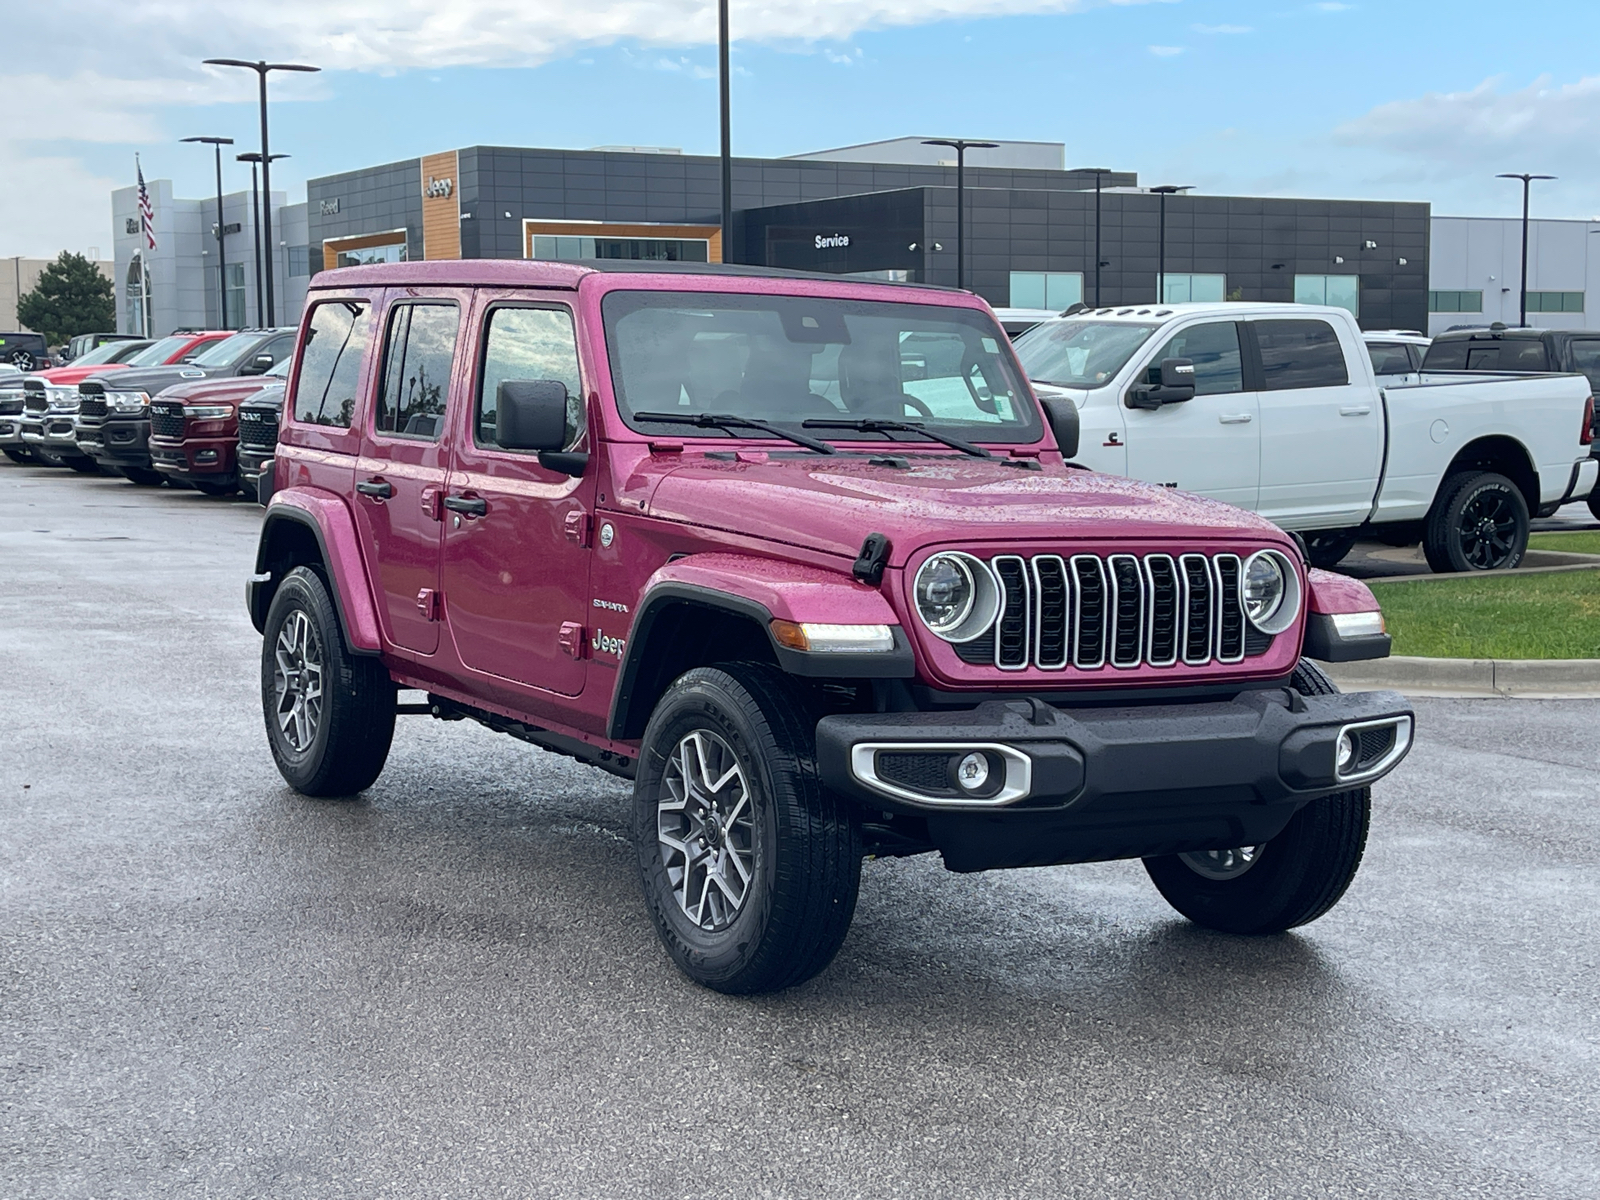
(449, 987)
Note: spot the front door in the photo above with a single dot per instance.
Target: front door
(1209, 445)
(400, 476)
(516, 557)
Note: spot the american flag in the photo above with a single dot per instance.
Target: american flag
(147, 214)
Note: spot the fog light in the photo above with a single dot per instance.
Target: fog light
(1346, 752)
(972, 772)
(206, 456)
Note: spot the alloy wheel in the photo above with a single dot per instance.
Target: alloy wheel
(1488, 530)
(705, 821)
(1222, 864)
(297, 681)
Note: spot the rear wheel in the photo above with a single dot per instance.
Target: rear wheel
(1479, 523)
(144, 476)
(329, 713)
(1290, 880)
(750, 866)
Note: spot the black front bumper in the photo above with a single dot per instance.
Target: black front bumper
(118, 442)
(1084, 785)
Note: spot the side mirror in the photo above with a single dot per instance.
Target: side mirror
(1062, 414)
(531, 414)
(187, 358)
(259, 365)
(1170, 383)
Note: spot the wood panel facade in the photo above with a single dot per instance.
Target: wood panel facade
(441, 205)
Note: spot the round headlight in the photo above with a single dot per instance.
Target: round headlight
(956, 596)
(1270, 591)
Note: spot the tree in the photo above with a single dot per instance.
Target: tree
(71, 297)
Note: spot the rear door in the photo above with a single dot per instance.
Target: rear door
(1210, 444)
(516, 538)
(1321, 426)
(401, 473)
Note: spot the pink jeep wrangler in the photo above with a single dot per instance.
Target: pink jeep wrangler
(806, 560)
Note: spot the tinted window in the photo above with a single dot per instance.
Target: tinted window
(1300, 354)
(416, 373)
(227, 351)
(1214, 350)
(1446, 356)
(1523, 354)
(528, 344)
(330, 364)
(1389, 358)
(1586, 358)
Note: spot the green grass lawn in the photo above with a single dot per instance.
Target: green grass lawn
(1503, 615)
(1585, 541)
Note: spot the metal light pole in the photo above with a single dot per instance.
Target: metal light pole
(727, 132)
(255, 202)
(261, 69)
(217, 144)
(1165, 190)
(1099, 174)
(1527, 180)
(960, 146)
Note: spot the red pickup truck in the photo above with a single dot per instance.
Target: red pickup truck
(807, 561)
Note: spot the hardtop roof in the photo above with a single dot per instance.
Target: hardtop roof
(514, 272)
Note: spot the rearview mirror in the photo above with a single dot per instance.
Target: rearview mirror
(531, 414)
(1170, 383)
(1062, 414)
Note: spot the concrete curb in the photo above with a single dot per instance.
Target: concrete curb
(1529, 679)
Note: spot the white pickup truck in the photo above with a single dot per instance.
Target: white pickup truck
(1274, 408)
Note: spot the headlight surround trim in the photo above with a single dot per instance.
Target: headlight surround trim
(1285, 610)
(978, 614)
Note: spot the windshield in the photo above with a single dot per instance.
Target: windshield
(788, 359)
(1079, 353)
(103, 353)
(157, 353)
(221, 354)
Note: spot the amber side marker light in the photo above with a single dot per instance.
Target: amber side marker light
(833, 639)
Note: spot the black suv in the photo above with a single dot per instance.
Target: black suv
(25, 351)
(114, 409)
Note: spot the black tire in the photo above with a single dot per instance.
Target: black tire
(337, 747)
(1479, 522)
(1327, 548)
(206, 488)
(83, 466)
(1593, 502)
(1293, 879)
(143, 476)
(16, 454)
(45, 458)
(802, 841)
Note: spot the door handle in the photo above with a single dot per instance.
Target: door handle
(382, 489)
(474, 506)
(1355, 410)
(1234, 418)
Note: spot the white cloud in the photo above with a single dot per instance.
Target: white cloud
(1222, 29)
(1167, 51)
(1331, 6)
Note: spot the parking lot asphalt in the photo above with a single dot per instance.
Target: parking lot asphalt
(449, 987)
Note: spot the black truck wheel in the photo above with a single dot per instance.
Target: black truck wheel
(1594, 501)
(1292, 879)
(750, 866)
(46, 458)
(1479, 522)
(329, 713)
(143, 476)
(1327, 548)
(207, 488)
(16, 454)
(83, 466)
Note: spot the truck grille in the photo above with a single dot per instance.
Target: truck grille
(1122, 610)
(258, 427)
(34, 399)
(166, 421)
(92, 406)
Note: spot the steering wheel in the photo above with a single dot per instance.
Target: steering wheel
(922, 409)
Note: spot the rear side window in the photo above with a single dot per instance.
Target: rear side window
(528, 344)
(1300, 354)
(330, 364)
(1586, 358)
(417, 358)
(1214, 350)
(1389, 358)
(1446, 356)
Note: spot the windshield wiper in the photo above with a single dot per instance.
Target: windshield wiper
(733, 421)
(874, 425)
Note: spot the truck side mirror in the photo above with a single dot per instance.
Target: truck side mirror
(531, 414)
(259, 365)
(1170, 383)
(1062, 414)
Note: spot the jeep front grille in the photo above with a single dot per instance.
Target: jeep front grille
(166, 421)
(1122, 610)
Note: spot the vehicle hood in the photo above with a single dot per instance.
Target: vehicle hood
(270, 396)
(155, 379)
(226, 389)
(1047, 391)
(831, 504)
(60, 376)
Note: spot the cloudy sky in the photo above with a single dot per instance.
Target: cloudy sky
(1403, 99)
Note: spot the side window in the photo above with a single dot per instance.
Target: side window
(1523, 354)
(1300, 354)
(528, 343)
(1586, 358)
(1446, 356)
(417, 357)
(1214, 350)
(1389, 358)
(330, 364)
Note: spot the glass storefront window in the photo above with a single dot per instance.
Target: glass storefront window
(1340, 291)
(562, 248)
(1046, 289)
(1455, 302)
(367, 255)
(1555, 302)
(1193, 289)
(233, 303)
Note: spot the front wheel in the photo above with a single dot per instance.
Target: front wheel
(1327, 548)
(206, 488)
(46, 457)
(16, 454)
(84, 466)
(329, 713)
(143, 476)
(750, 867)
(1290, 880)
(1478, 523)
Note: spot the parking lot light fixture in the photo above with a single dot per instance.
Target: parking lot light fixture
(1527, 181)
(253, 159)
(1165, 190)
(262, 69)
(960, 146)
(1099, 174)
(217, 143)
